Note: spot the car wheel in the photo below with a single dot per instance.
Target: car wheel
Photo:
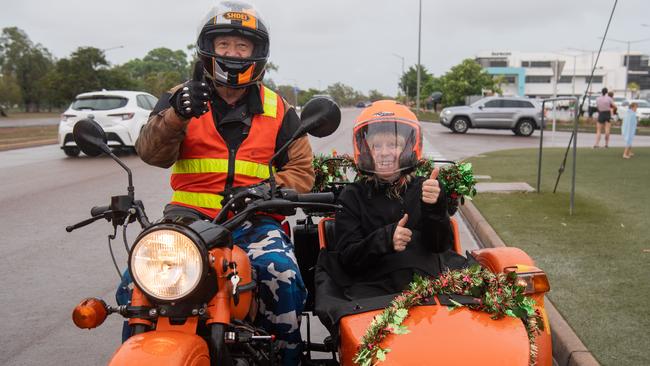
(71, 151)
(525, 127)
(460, 125)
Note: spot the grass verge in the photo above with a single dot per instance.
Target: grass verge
(19, 135)
(598, 260)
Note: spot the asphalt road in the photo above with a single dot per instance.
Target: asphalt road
(46, 271)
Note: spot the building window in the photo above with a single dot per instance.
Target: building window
(565, 79)
(540, 64)
(597, 79)
(525, 63)
(498, 63)
(538, 79)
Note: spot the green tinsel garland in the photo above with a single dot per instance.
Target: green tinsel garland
(500, 296)
(458, 178)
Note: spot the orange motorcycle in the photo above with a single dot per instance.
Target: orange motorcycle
(192, 301)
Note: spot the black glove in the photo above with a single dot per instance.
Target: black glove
(191, 100)
(243, 195)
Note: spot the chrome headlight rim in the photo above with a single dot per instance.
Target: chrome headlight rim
(198, 243)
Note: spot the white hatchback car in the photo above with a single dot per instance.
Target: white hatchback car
(120, 113)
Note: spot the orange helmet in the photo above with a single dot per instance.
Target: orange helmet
(386, 129)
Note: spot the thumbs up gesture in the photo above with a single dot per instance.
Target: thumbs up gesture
(431, 188)
(402, 235)
(191, 99)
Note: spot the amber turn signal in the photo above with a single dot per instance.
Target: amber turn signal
(531, 278)
(90, 313)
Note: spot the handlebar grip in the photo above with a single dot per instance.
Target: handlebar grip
(327, 197)
(98, 210)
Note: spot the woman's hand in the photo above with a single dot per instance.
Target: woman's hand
(402, 235)
(431, 188)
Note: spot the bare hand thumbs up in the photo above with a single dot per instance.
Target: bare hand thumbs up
(402, 222)
(402, 235)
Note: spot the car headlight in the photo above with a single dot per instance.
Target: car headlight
(166, 264)
(447, 112)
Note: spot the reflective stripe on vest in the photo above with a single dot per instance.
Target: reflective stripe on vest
(242, 167)
(270, 103)
(207, 200)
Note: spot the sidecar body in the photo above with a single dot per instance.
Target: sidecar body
(437, 334)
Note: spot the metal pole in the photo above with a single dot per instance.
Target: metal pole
(539, 156)
(627, 68)
(575, 155)
(573, 88)
(417, 94)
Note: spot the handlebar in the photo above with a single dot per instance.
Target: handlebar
(325, 197)
(98, 210)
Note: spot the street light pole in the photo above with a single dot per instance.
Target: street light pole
(417, 94)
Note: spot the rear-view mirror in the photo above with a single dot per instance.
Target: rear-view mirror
(90, 137)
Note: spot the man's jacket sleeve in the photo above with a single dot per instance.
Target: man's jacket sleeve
(298, 172)
(161, 138)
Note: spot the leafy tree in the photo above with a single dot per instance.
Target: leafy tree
(344, 95)
(158, 71)
(374, 95)
(464, 79)
(26, 63)
(305, 95)
(408, 81)
(9, 93)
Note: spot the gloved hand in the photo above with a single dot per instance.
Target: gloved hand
(243, 195)
(191, 100)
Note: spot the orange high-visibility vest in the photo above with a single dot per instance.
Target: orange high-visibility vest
(200, 173)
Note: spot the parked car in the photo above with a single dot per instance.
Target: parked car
(121, 114)
(589, 107)
(643, 109)
(521, 115)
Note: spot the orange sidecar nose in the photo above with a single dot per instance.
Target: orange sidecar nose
(444, 337)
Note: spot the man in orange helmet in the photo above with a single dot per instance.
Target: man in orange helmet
(217, 132)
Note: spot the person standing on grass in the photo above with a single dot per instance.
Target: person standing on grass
(614, 116)
(604, 104)
(628, 129)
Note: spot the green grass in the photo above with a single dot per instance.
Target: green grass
(427, 115)
(589, 125)
(598, 260)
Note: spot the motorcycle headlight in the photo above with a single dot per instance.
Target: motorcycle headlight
(166, 264)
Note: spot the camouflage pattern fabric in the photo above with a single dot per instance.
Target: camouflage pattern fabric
(281, 291)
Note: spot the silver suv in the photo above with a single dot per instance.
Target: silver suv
(521, 115)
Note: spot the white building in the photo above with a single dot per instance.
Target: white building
(533, 74)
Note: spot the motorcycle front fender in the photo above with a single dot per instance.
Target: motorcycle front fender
(162, 348)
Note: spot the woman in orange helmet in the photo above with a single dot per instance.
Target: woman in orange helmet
(391, 224)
